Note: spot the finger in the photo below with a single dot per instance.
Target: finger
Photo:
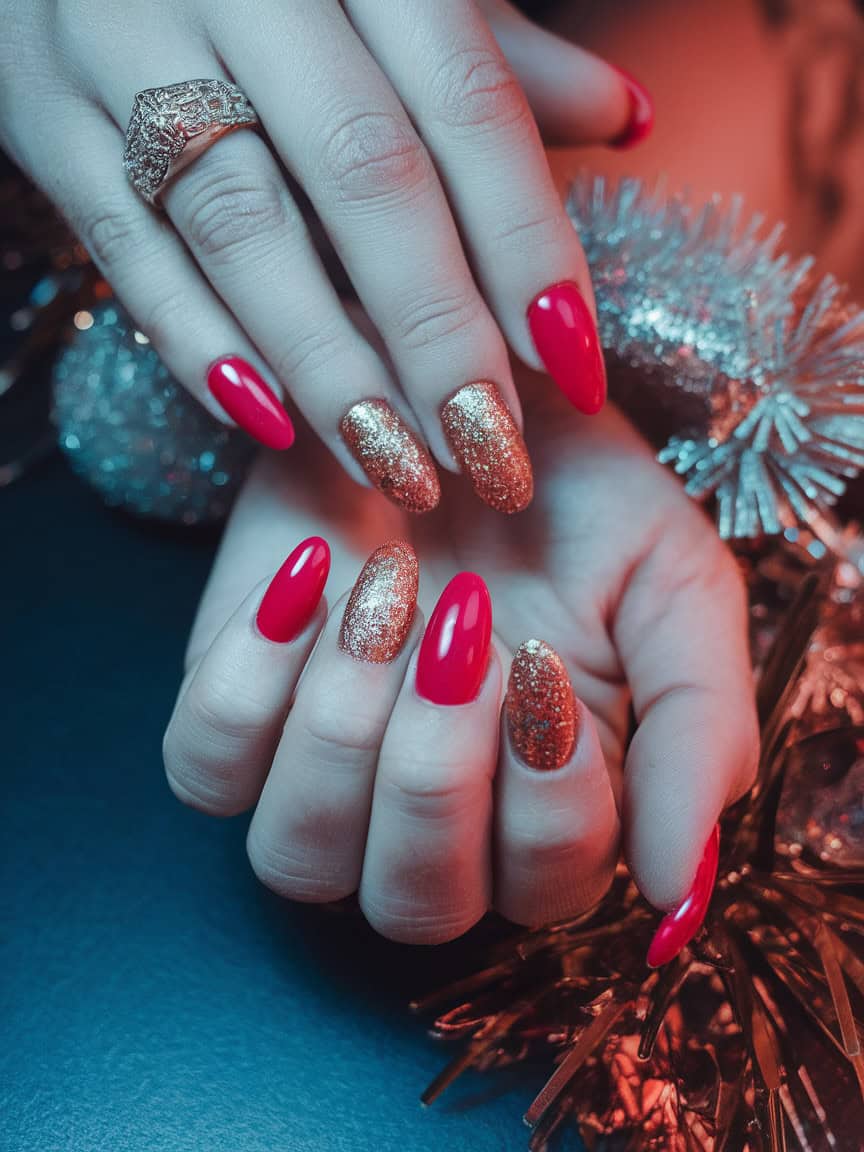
(307, 836)
(682, 636)
(371, 181)
(78, 163)
(426, 872)
(556, 825)
(474, 118)
(248, 236)
(229, 715)
(576, 97)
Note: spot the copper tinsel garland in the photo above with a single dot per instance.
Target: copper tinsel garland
(752, 1039)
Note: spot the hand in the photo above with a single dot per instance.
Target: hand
(613, 565)
(412, 137)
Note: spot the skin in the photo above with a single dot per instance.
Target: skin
(405, 126)
(612, 564)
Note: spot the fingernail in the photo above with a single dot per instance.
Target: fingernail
(488, 446)
(294, 592)
(641, 114)
(679, 927)
(566, 340)
(381, 606)
(391, 455)
(540, 707)
(454, 652)
(252, 403)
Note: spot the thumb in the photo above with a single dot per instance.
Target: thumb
(576, 97)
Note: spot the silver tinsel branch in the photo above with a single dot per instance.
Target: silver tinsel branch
(758, 365)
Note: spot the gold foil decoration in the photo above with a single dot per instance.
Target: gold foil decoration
(380, 609)
(488, 446)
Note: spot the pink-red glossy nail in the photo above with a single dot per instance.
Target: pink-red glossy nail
(565, 337)
(679, 927)
(454, 652)
(250, 402)
(294, 592)
(641, 114)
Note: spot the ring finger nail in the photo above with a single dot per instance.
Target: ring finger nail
(679, 927)
(454, 652)
(391, 455)
(566, 340)
(542, 719)
(488, 445)
(252, 403)
(380, 609)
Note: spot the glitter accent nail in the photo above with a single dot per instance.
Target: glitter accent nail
(488, 445)
(542, 718)
(391, 455)
(380, 609)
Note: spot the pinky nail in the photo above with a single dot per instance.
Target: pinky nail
(541, 713)
(294, 592)
(251, 402)
(679, 927)
(641, 114)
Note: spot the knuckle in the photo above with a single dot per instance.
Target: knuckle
(404, 919)
(533, 235)
(295, 874)
(310, 353)
(226, 211)
(371, 156)
(434, 316)
(164, 320)
(336, 736)
(206, 784)
(112, 232)
(423, 787)
(476, 89)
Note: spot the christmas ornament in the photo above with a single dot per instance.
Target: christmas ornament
(129, 428)
(759, 366)
(751, 1040)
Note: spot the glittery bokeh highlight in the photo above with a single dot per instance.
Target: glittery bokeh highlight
(489, 447)
(391, 455)
(540, 707)
(380, 609)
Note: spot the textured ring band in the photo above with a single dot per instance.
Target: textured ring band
(171, 126)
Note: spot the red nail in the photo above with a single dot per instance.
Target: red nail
(454, 651)
(294, 592)
(641, 114)
(252, 403)
(679, 927)
(566, 340)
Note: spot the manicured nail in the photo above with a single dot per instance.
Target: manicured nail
(380, 609)
(641, 114)
(679, 927)
(542, 719)
(294, 592)
(488, 446)
(252, 403)
(566, 340)
(454, 652)
(391, 455)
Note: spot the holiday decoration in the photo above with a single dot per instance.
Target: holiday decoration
(752, 1039)
(140, 439)
(758, 369)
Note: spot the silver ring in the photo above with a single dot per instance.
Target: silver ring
(171, 126)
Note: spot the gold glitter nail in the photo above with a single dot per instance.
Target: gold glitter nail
(488, 445)
(380, 609)
(391, 455)
(541, 710)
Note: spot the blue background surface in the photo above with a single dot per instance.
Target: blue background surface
(152, 995)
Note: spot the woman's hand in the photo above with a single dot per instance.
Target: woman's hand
(413, 138)
(613, 566)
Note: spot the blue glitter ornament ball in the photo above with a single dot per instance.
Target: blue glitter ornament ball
(133, 433)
